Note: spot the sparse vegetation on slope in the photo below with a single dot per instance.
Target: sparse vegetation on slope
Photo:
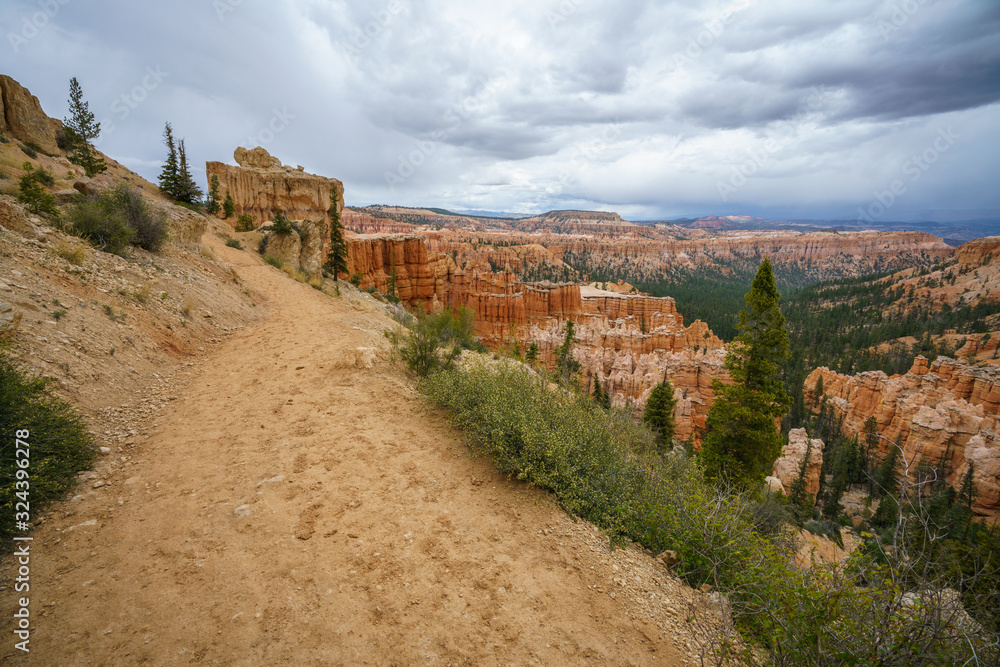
(59, 446)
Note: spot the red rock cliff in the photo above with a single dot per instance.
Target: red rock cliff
(945, 406)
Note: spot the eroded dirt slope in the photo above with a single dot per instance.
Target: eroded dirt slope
(298, 504)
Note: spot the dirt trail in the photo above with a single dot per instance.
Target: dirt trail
(299, 505)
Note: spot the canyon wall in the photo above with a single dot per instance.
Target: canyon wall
(942, 409)
(627, 342)
(261, 185)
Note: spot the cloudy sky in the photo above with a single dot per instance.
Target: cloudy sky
(781, 108)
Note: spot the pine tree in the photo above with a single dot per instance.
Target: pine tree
(81, 129)
(797, 495)
(742, 440)
(531, 354)
(598, 394)
(336, 258)
(659, 414)
(187, 190)
(170, 175)
(228, 206)
(565, 363)
(213, 206)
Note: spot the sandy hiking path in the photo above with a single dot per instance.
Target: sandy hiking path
(299, 504)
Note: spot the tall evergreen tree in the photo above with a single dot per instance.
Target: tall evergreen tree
(742, 440)
(336, 258)
(187, 190)
(170, 175)
(565, 363)
(598, 394)
(212, 206)
(228, 206)
(81, 129)
(659, 414)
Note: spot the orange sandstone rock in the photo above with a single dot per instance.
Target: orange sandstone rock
(943, 409)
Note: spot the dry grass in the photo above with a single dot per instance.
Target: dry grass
(142, 294)
(209, 254)
(187, 306)
(74, 253)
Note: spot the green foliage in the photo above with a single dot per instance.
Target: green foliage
(81, 129)
(435, 341)
(281, 225)
(32, 194)
(741, 440)
(599, 466)
(557, 441)
(59, 444)
(245, 222)
(234, 243)
(566, 365)
(601, 398)
(228, 206)
(116, 218)
(336, 258)
(188, 191)
(275, 261)
(212, 205)
(356, 279)
(531, 354)
(659, 414)
(170, 177)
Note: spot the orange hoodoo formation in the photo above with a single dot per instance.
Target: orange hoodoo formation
(945, 409)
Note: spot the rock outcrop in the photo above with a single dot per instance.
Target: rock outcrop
(941, 410)
(788, 467)
(21, 117)
(303, 249)
(979, 252)
(262, 185)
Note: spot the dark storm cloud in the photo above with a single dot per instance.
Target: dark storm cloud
(640, 105)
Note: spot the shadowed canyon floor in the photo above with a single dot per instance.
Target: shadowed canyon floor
(298, 504)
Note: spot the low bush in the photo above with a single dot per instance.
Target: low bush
(150, 226)
(356, 279)
(119, 217)
(30, 150)
(434, 341)
(275, 261)
(234, 243)
(59, 445)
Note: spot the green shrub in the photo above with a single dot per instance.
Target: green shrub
(356, 279)
(234, 243)
(118, 217)
(275, 261)
(281, 224)
(30, 150)
(434, 341)
(59, 444)
(150, 226)
(557, 441)
(245, 222)
(95, 219)
(32, 194)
